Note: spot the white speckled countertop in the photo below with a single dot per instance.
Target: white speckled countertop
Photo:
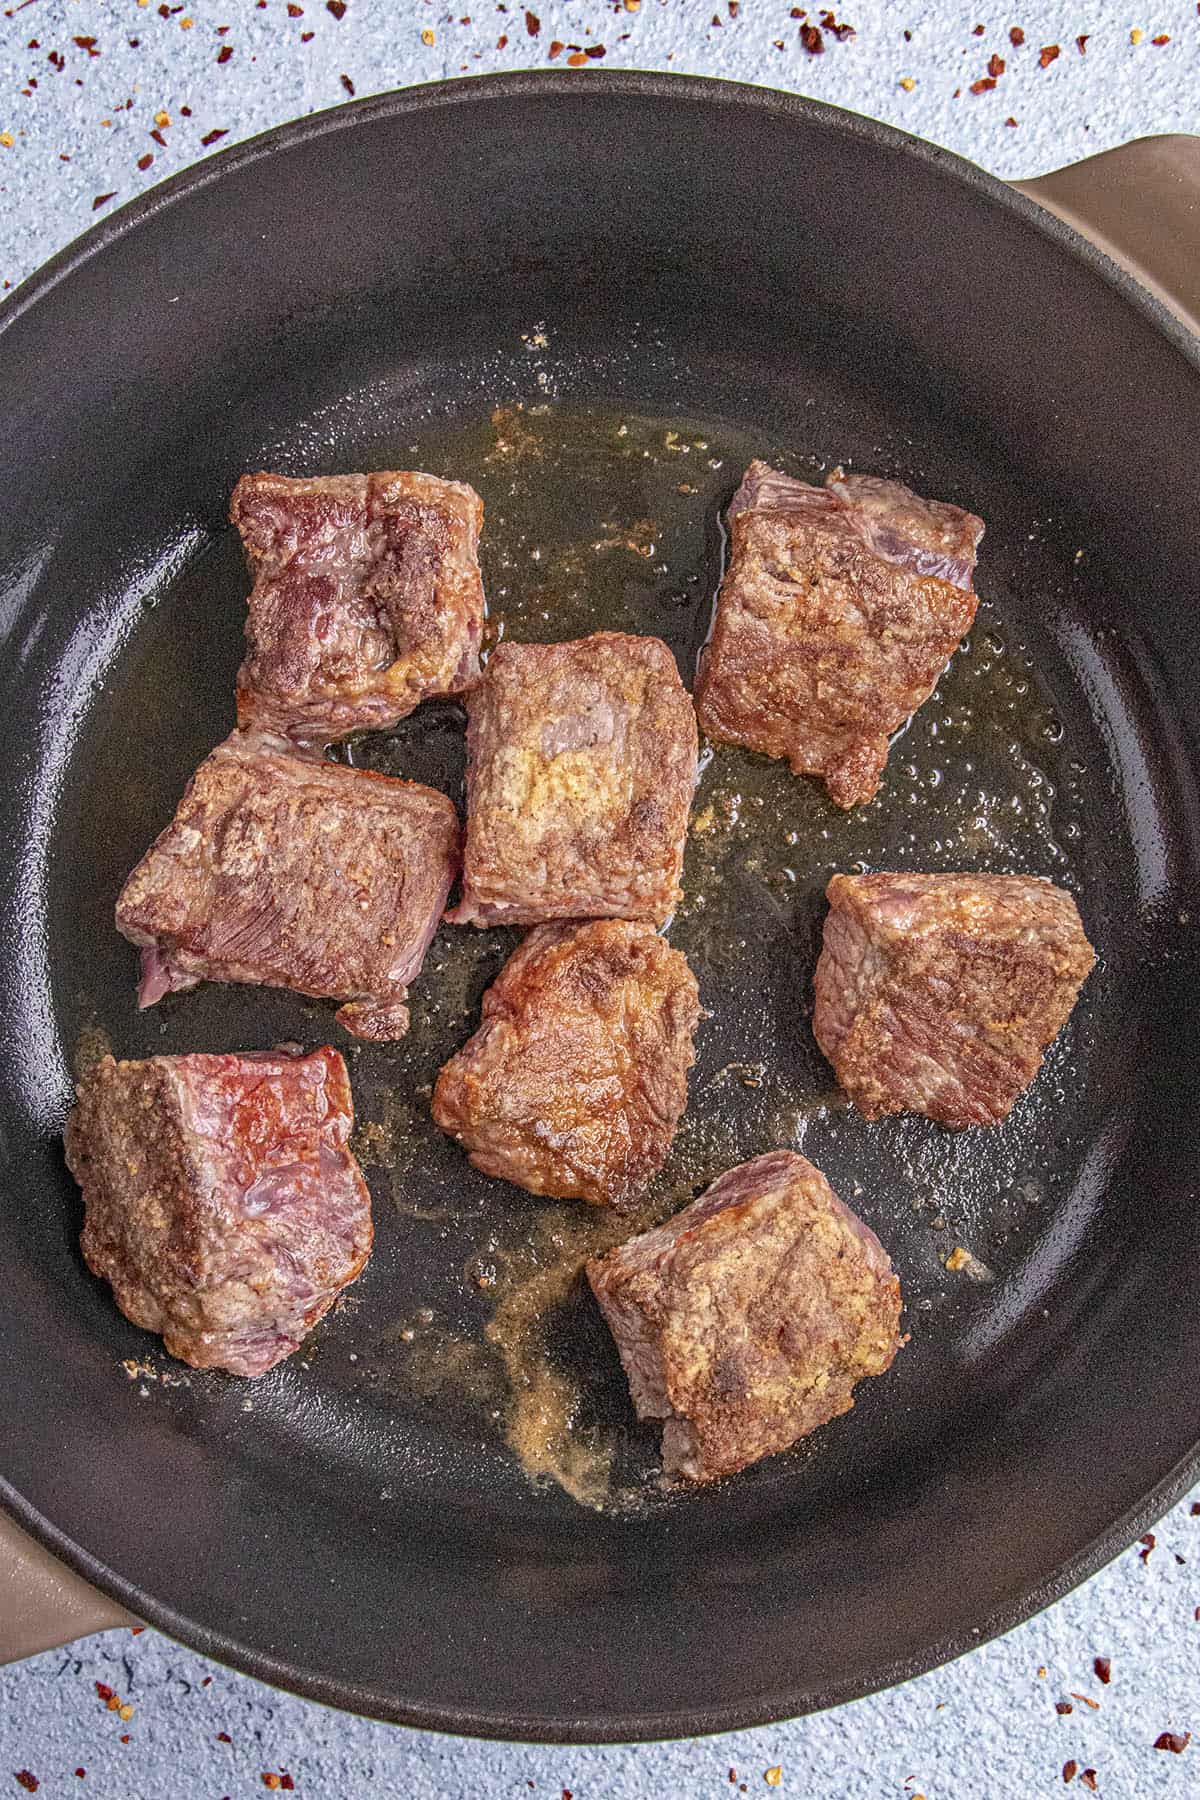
(99, 99)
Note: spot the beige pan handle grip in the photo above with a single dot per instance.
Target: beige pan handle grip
(1140, 204)
(43, 1603)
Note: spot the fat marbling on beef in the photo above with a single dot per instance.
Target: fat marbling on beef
(576, 1080)
(938, 994)
(367, 599)
(840, 608)
(745, 1321)
(580, 772)
(296, 873)
(222, 1204)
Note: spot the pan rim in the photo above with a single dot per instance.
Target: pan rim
(794, 1701)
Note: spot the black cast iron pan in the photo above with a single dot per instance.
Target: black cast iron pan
(596, 298)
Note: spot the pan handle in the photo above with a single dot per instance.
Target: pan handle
(43, 1603)
(1140, 204)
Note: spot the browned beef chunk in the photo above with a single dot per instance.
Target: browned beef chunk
(745, 1321)
(840, 608)
(221, 1202)
(296, 873)
(577, 1077)
(582, 763)
(367, 599)
(938, 993)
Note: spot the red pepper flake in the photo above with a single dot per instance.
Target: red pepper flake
(1010, 121)
(306, 37)
(185, 112)
(271, 1780)
(159, 139)
(996, 65)
(733, 1777)
(104, 1692)
(1088, 1779)
(1082, 42)
(1047, 54)
(734, 8)
(984, 85)
(88, 44)
(143, 162)
(567, 1794)
(57, 60)
(798, 12)
(103, 200)
(125, 1738)
(1103, 1668)
(294, 11)
(532, 24)
(1148, 1542)
(556, 49)
(812, 40)
(595, 51)
(210, 137)
(1174, 1741)
(29, 1782)
(978, 31)
(1164, 37)
(224, 53)
(336, 7)
(1016, 37)
(207, 1682)
(1063, 1707)
(1069, 1769)
(223, 1737)
(501, 41)
(136, 1630)
(1085, 1701)
(347, 84)
(285, 1781)
(576, 60)
(840, 32)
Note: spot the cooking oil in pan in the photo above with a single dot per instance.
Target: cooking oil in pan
(601, 519)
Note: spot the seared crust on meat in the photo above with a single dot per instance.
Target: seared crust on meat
(581, 768)
(938, 994)
(745, 1321)
(222, 1203)
(576, 1080)
(840, 608)
(367, 599)
(296, 873)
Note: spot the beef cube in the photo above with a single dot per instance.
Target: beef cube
(745, 1321)
(938, 994)
(367, 599)
(840, 609)
(296, 873)
(221, 1201)
(581, 768)
(577, 1077)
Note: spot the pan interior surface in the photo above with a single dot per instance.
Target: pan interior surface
(442, 1510)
